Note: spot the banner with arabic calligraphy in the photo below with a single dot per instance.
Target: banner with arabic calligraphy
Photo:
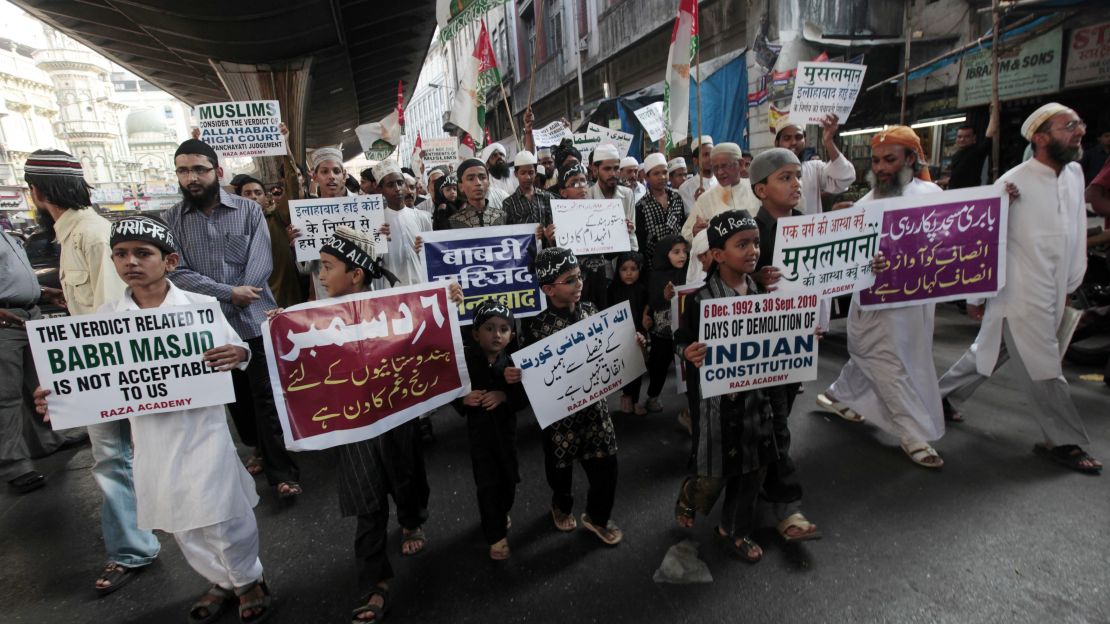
(581, 365)
(942, 247)
(590, 226)
(488, 263)
(351, 368)
(828, 253)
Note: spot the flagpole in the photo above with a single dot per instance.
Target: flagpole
(505, 98)
(697, 77)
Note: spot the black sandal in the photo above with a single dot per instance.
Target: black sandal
(207, 611)
(292, 488)
(379, 612)
(117, 576)
(1069, 456)
(747, 551)
(683, 508)
(951, 414)
(259, 606)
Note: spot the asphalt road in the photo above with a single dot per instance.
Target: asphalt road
(997, 535)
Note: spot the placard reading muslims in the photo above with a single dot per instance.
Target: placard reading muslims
(351, 368)
(318, 218)
(828, 253)
(236, 129)
(825, 88)
(443, 151)
(582, 364)
(104, 367)
(488, 263)
(651, 118)
(942, 247)
(590, 226)
(757, 341)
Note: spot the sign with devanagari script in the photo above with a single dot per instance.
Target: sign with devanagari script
(317, 219)
(828, 253)
(488, 263)
(825, 88)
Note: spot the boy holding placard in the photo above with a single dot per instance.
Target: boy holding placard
(734, 442)
(188, 477)
(586, 435)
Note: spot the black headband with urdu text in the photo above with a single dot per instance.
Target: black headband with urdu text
(357, 254)
(724, 225)
(143, 229)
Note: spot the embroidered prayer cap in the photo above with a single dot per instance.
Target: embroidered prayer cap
(704, 139)
(449, 180)
(675, 164)
(197, 147)
(700, 244)
(725, 224)
(543, 151)
(1036, 120)
(769, 162)
(491, 149)
(655, 159)
(552, 262)
(731, 150)
(605, 151)
(384, 168)
(572, 171)
(524, 158)
(491, 308)
(906, 137)
(322, 154)
(143, 229)
(53, 163)
(468, 164)
(629, 161)
(357, 249)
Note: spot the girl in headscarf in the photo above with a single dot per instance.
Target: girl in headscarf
(446, 197)
(669, 270)
(627, 286)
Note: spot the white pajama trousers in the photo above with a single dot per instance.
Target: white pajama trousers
(226, 553)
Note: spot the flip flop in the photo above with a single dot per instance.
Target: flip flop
(840, 409)
(797, 520)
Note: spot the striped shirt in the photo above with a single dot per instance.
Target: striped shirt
(519, 209)
(219, 252)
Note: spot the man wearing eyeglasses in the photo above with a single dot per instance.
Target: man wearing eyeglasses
(834, 176)
(224, 244)
(1046, 258)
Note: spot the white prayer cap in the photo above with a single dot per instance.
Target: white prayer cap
(704, 140)
(408, 179)
(321, 154)
(540, 170)
(490, 149)
(730, 149)
(605, 151)
(524, 158)
(701, 244)
(1039, 116)
(629, 161)
(655, 159)
(384, 168)
(676, 164)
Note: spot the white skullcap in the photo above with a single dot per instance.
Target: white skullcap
(321, 154)
(384, 168)
(700, 244)
(408, 179)
(730, 149)
(629, 161)
(524, 158)
(654, 160)
(1039, 116)
(605, 151)
(704, 140)
(540, 170)
(676, 164)
(490, 149)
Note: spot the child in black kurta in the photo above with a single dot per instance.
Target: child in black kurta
(490, 410)
(627, 286)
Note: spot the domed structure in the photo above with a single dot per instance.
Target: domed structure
(152, 144)
(144, 121)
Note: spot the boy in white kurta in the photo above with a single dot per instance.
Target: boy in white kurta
(189, 480)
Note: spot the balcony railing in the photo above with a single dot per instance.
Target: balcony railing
(61, 56)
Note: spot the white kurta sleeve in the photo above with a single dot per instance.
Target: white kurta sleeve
(837, 175)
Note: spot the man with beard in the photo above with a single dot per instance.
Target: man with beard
(89, 280)
(733, 192)
(224, 245)
(692, 189)
(1045, 260)
(547, 161)
(500, 177)
(890, 378)
(596, 269)
(817, 176)
(630, 178)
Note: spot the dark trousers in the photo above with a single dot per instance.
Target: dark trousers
(781, 485)
(371, 561)
(601, 473)
(242, 410)
(738, 508)
(632, 389)
(277, 462)
(410, 490)
(659, 363)
(595, 287)
(493, 457)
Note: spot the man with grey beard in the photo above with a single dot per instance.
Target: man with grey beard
(890, 378)
(1045, 260)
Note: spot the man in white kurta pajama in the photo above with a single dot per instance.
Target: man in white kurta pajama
(405, 227)
(1045, 260)
(890, 377)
